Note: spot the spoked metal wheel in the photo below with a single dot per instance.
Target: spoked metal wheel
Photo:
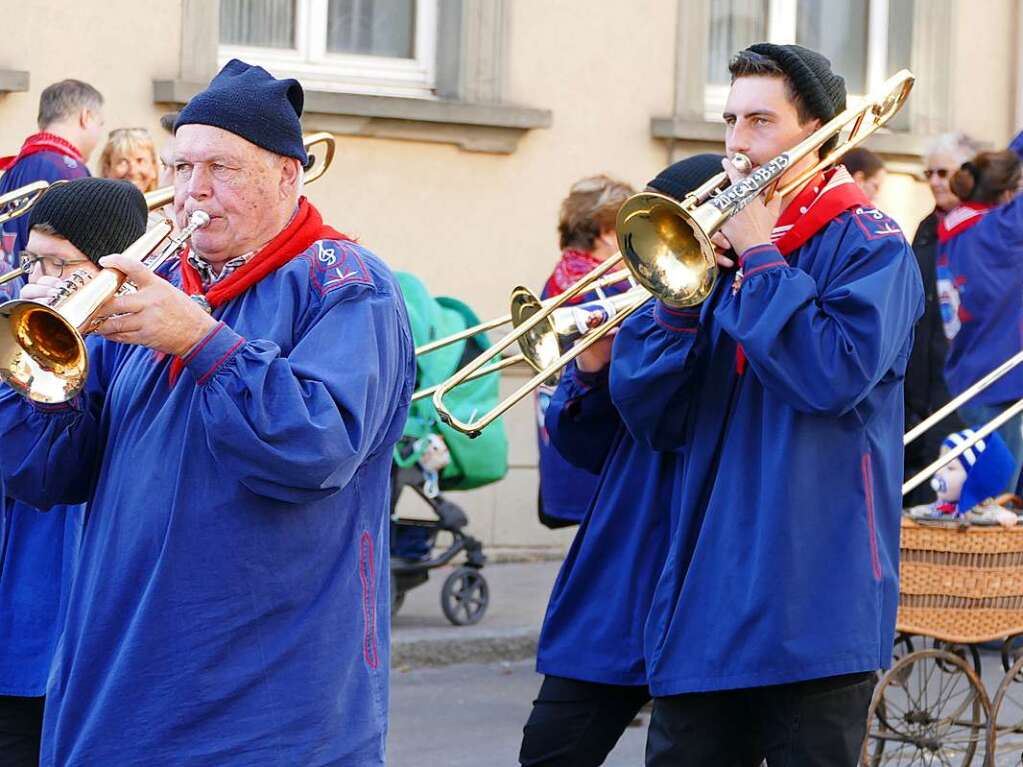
(1005, 735)
(465, 596)
(929, 709)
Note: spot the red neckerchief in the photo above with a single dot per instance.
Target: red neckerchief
(965, 216)
(305, 228)
(573, 265)
(43, 142)
(824, 197)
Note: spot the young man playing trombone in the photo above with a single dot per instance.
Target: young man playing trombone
(783, 391)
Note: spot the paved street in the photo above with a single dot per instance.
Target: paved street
(472, 715)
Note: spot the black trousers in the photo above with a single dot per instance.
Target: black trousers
(21, 725)
(819, 723)
(576, 724)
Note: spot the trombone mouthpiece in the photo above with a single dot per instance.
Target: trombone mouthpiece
(742, 163)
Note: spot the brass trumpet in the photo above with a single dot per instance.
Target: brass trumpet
(165, 195)
(18, 202)
(42, 344)
(666, 244)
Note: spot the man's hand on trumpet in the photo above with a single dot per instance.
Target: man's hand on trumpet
(750, 226)
(158, 315)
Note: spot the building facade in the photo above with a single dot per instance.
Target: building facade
(461, 124)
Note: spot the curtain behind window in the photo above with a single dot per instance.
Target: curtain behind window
(372, 27)
(260, 23)
(734, 25)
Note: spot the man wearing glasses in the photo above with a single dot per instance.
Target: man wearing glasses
(71, 227)
(925, 376)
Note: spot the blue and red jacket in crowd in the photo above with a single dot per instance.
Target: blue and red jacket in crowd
(593, 629)
(43, 157)
(783, 393)
(980, 286)
(231, 600)
(37, 551)
(565, 489)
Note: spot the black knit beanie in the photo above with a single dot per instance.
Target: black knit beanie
(684, 176)
(248, 101)
(822, 90)
(99, 216)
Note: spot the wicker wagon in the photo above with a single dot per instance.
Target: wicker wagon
(959, 587)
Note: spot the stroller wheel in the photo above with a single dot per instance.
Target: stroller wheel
(397, 596)
(465, 596)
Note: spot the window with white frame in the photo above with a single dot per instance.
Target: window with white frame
(866, 40)
(384, 47)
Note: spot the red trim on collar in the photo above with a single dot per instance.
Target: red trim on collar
(959, 219)
(824, 198)
(43, 142)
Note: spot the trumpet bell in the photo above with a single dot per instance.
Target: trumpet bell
(666, 249)
(539, 345)
(41, 355)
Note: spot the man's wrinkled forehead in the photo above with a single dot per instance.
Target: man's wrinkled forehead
(206, 143)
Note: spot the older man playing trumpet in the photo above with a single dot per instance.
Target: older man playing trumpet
(233, 444)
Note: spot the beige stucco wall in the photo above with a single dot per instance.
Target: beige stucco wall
(473, 224)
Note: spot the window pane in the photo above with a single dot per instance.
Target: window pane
(838, 29)
(900, 35)
(372, 27)
(263, 23)
(734, 25)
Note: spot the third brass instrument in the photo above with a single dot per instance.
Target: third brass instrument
(666, 244)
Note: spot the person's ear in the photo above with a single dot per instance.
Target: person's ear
(290, 171)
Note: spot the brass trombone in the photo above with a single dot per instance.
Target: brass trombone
(519, 295)
(42, 345)
(666, 244)
(165, 195)
(19, 201)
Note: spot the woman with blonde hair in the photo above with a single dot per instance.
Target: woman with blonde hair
(130, 154)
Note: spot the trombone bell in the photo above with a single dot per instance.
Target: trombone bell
(667, 248)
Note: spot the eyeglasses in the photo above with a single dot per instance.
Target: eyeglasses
(52, 267)
(941, 173)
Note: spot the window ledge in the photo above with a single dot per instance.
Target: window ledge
(13, 81)
(904, 151)
(473, 127)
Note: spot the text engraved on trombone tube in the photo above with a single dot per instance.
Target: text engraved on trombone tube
(741, 193)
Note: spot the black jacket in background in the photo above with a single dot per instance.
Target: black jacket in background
(925, 375)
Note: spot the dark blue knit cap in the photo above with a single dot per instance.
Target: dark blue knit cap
(250, 102)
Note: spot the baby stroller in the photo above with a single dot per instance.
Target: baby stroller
(431, 459)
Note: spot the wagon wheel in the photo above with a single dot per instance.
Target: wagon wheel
(1012, 649)
(1006, 728)
(929, 709)
(967, 652)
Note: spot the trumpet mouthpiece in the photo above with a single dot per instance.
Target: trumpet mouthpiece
(198, 219)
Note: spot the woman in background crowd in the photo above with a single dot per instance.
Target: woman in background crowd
(130, 154)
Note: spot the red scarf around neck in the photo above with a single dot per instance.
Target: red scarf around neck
(305, 228)
(43, 142)
(964, 216)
